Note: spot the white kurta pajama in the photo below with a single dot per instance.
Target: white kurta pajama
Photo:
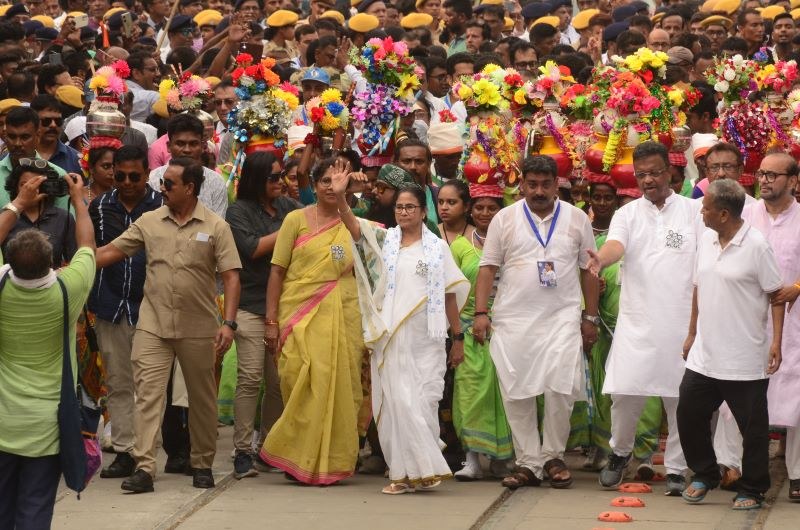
(654, 311)
(408, 370)
(536, 342)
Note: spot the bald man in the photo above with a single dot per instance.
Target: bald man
(658, 40)
(115, 53)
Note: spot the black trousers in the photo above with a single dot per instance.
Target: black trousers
(175, 428)
(700, 396)
(28, 491)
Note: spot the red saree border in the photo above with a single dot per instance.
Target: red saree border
(306, 308)
(305, 238)
(306, 477)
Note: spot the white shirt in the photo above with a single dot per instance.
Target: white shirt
(213, 192)
(536, 342)
(656, 299)
(143, 101)
(733, 286)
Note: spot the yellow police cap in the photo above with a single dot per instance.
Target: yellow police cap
(335, 15)
(657, 17)
(111, 11)
(3, 9)
(795, 13)
(794, 4)
(491, 2)
(416, 20)
(508, 23)
(213, 81)
(208, 17)
(282, 18)
(728, 6)
(581, 20)
(44, 19)
(717, 20)
(770, 12)
(362, 22)
(550, 19)
(160, 108)
(708, 6)
(71, 95)
(8, 104)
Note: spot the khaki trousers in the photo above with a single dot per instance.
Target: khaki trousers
(116, 342)
(152, 365)
(254, 365)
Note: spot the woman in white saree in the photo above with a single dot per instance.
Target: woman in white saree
(410, 289)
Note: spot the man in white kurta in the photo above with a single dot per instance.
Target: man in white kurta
(657, 234)
(536, 341)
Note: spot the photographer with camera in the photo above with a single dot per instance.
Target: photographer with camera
(31, 353)
(22, 138)
(41, 213)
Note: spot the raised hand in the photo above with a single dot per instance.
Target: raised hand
(340, 176)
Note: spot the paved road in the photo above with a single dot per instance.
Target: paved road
(269, 501)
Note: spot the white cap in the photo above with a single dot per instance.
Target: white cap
(702, 142)
(75, 127)
(296, 136)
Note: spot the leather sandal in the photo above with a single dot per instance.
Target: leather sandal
(521, 478)
(398, 488)
(794, 490)
(554, 467)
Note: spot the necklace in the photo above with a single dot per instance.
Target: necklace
(444, 230)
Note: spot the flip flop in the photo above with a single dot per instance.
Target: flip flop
(699, 486)
(755, 506)
(628, 502)
(423, 486)
(615, 517)
(521, 478)
(635, 487)
(398, 488)
(794, 490)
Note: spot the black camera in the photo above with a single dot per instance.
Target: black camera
(54, 184)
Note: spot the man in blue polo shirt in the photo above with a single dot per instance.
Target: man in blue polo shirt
(117, 294)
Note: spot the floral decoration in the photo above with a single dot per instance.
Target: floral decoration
(185, 92)
(109, 81)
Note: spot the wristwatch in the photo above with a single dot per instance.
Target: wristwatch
(458, 337)
(11, 208)
(231, 324)
(594, 320)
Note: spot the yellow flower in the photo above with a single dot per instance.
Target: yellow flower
(288, 97)
(98, 81)
(408, 84)
(633, 63)
(675, 97)
(487, 93)
(656, 63)
(464, 92)
(519, 97)
(328, 122)
(489, 68)
(329, 95)
(164, 87)
(645, 54)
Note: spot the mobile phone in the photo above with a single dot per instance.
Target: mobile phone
(127, 24)
(255, 50)
(54, 58)
(81, 21)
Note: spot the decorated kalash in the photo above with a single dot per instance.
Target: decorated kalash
(105, 123)
(185, 92)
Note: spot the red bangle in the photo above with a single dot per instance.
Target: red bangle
(312, 140)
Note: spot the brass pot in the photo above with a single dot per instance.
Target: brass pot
(682, 139)
(105, 120)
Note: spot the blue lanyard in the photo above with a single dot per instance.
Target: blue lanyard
(536, 230)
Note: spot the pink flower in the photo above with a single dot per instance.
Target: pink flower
(116, 85)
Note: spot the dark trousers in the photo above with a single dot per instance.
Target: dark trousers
(700, 396)
(175, 428)
(28, 491)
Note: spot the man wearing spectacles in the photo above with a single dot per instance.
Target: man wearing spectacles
(657, 234)
(144, 74)
(117, 295)
(225, 99)
(182, 32)
(725, 161)
(51, 124)
(22, 137)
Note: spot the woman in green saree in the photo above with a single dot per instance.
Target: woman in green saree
(313, 325)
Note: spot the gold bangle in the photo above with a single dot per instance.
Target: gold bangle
(271, 322)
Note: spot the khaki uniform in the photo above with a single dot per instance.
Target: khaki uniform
(178, 318)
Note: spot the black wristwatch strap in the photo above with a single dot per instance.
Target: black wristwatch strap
(458, 336)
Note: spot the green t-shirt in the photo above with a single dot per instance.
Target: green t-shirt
(31, 349)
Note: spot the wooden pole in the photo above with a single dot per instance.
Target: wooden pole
(166, 25)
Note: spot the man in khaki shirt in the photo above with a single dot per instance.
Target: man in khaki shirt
(186, 244)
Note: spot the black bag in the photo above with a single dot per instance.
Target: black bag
(79, 451)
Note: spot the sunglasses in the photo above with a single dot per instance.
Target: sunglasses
(47, 122)
(167, 183)
(33, 162)
(274, 177)
(119, 176)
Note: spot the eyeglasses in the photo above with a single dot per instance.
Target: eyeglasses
(726, 168)
(119, 176)
(274, 177)
(769, 176)
(167, 183)
(408, 208)
(47, 122)
(228, 102)
(645, 174)
(38, 163)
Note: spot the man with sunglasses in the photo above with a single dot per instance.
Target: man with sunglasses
(51, 125)
(22, 138)
(117, 295)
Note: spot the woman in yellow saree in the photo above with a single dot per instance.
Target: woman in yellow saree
(313, 322)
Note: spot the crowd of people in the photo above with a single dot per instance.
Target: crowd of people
(353, 311)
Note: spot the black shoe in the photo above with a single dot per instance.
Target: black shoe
(243, 466)
(139, 482)
(178, 464)
(675, 485)
(122, 466)
(203, 478)
(611, 475)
